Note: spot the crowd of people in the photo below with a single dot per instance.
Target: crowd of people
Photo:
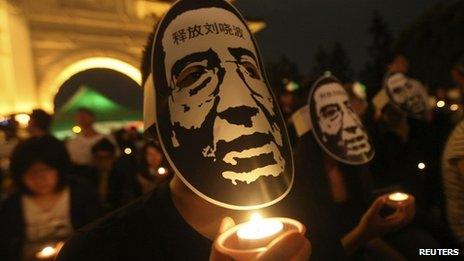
(350, 154)
(54, 187)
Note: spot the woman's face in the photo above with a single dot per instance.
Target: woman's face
(41, 179)
(153, 157)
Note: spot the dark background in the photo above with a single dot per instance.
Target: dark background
(352, 38)
(296, 28)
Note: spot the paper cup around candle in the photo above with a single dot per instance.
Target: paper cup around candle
(397, 199)
(241, 247)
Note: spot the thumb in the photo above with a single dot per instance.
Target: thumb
(284, 247)
(215, 255)
(226, 223)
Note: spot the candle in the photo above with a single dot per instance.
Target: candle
(245, 241)
(398, 197)
(162, 171)
(46, 253)
(258, 232)
(49, 252)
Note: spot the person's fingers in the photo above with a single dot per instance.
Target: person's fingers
(376, 206)
(305, 252)
(215, 255)
(226, 223)
(395, 215)
(395, 221)
(284, 247)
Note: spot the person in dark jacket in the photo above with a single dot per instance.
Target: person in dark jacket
(113, 176)
(47, 205)
(153, 168)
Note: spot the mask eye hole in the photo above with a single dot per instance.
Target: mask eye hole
(189, 76)
(397, 90)
(251, 70)
(330, 111)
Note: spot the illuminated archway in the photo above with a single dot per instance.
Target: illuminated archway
(49, 88)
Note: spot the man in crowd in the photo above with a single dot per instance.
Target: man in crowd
(79, 147)
(110, 175)
(453, 181)
(39, 123)
(180, 219)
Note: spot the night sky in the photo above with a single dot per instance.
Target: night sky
(295, 28)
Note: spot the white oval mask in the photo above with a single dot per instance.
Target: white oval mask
(336, 127)
(216, 117)
(407, 94)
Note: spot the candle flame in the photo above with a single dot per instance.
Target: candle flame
(398, 196)
(255, 217)
(258, 228)
(46, 252)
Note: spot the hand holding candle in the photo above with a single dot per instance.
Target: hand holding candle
(262, 238)
(374, 224)
(403, 202)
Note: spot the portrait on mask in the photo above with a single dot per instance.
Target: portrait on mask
(408, 94)
(216, 116)
(336, 127)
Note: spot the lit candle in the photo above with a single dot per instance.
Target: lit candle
(398, 197)
(245, 241)
(258, 232)
(47, 253)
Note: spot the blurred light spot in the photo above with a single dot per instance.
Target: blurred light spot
(292, 86)
(440, 104)
(127, 151)
(46, 253)
(22, 119)
(359, 90)
(76, 129)
(421, 165)
(454, 107)
(162, 171)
